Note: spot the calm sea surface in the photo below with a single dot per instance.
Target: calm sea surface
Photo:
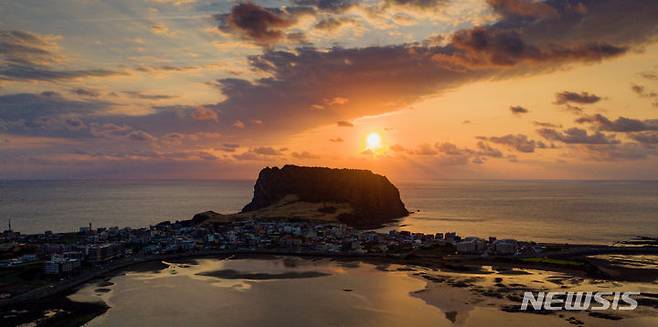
(561, 211)
(319, 292)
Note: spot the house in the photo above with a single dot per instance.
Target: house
(505, 247)
(471, 245)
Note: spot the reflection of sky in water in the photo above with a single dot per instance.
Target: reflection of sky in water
(354, 294)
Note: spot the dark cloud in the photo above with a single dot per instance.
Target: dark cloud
(618, 152)
(333, 23)
(25, 48)
(645, 137)
(385, 78)
(485, 149)
(344, 123)
(262, 25)
(621, 124)
(26, 56)
(205, 114)
(334, 6)
(143, 96)
(336, 140)
(524, 8)
(31, 112)
(422, 4)
(643, 92)
(261, 153)
(229, 147)
(266, 151)
(41, 73)
(576, 136)
(568, 97)
(141, 136)
(451, 154)
(545, 124)
(518, 142)
(165, 68)
(304, 155)
(518, 110)
(86, 92)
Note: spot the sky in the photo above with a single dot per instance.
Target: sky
(413, 89)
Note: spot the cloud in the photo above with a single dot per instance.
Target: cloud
(518, 110)
(568, 97)
(229, 147)
(41, 73)
(546, 124)
(250, 21)
(26, 56)
(331, 6)
(486, 150)
(421, 4)
(649, 75)
(45, 112)
(524, 8)
(643, 92)
(381, 79)
(25, 48)
(143, 96)
(266, 151)
(486, 47)
(141, 136)
(621, 124)
(645, 137)
(426, 150)
(399, 148)
(336, 140)
(160, 28)
(344, 123)
(86, 92)
(304, 155)
(239, 124)
(618, 152)
(334, 23)
(576, 136)
(260, 153)
(205, 114)
(518, 142)
(451, 154)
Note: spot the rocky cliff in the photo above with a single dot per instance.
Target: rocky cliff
(374, 200)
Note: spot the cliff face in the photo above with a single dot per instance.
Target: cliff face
(373, 198)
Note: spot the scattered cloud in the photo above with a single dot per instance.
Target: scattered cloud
(518, 110)
(576, 136)
(250, 21)
(518, 142)
(568, 97)
(621, 124)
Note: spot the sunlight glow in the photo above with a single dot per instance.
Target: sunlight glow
(373, 141)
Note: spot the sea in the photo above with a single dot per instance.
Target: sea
(598, 212)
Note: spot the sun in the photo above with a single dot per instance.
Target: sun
(373, 141)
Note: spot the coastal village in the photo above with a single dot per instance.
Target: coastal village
(61, 256)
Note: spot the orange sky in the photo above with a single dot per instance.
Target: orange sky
(501, 89)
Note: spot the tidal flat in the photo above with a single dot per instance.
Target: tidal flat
(294, 291)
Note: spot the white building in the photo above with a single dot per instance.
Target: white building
(471, 245)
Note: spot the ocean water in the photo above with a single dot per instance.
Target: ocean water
(548, 211)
